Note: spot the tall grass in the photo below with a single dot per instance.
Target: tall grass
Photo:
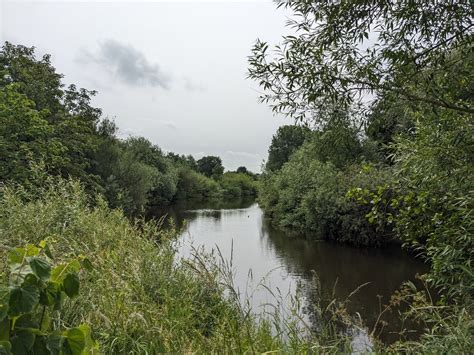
(139, 298)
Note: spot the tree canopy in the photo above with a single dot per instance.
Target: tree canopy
(210, 166)
(284, 143)
(342, 51)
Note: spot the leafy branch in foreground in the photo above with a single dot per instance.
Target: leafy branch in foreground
(341, 51)
(30, 304)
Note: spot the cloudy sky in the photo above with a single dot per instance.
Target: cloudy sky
(171, 71)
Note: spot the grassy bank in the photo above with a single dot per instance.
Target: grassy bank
(137, 298)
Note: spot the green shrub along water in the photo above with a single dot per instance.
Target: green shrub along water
(311, 191)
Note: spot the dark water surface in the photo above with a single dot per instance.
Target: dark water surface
(287, 263)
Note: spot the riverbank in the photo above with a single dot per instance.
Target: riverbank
(134, 296)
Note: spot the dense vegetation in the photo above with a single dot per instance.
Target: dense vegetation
(131, 291)
(42, 122)
(393, 165)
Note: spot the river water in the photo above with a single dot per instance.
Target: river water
(285, 263)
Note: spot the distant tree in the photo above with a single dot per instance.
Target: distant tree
(210, 166)
(191, 162)
(242, 170)
(337, 143)
(185, 160)
(284, 143)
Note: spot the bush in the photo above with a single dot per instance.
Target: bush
(194, 185)
(432, 198)
(238, 185)
(311, 195)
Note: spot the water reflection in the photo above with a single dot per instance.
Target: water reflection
(257, 246)
(342, 269)
(188, 210)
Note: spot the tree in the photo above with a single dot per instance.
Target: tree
(284, 143)
(185, 160)
(344, 50)
(25, 137)
(67, 111)
(210, 166)
(242, 170)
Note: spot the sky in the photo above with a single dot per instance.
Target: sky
(173, 72)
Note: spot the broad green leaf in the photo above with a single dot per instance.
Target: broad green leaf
(40, 267)
(47, 251)
(54, 343)
(26, 321)
(71, 284)
(86, 264)
(25, 297)
(22, 342)
(51, 294)
(32, 250)
(75, 342)
(90, 345)
(39, 347)
(18, 272)
(60, 271)
(4, 299)
(16, 256)
(5, 347)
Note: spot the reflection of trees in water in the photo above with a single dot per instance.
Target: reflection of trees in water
(342, 269)
(181, 211)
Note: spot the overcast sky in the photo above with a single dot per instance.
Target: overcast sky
(173, 72)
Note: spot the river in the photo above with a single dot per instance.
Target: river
(286, 263)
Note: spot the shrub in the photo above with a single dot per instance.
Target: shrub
(311, 195)
(238, 185)
(193, 185)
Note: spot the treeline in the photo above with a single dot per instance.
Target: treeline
(45, 126)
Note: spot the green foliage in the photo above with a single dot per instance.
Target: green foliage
(193, 185)
(183, 160)
(44, 124)
(34, 99)
(337, 143)
(238, 185)
(30, 304)
(25, 135)
(210, 166)
(433, 196)
(311, 195)
(284, 143)
(242, 170)
(138, 297)
(341, 50)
